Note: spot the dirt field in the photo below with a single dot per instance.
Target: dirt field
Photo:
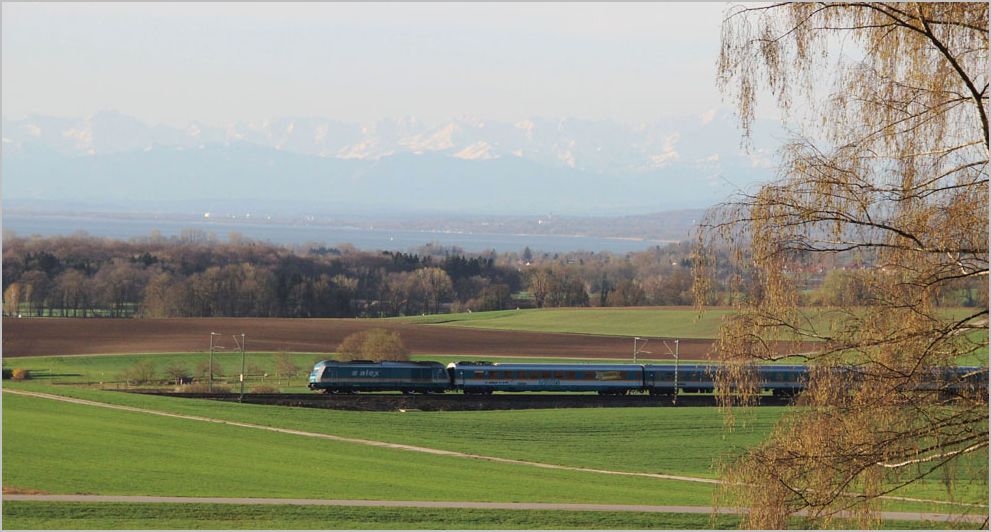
(66, 336)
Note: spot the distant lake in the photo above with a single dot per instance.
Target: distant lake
(366, 239)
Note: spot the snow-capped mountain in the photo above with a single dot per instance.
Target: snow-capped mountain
(581, 165)
(567, 142)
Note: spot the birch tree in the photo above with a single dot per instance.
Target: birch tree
(888, 174)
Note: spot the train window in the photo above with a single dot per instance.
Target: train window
(547, 374)
(571, 375)
(558, 375)
(479, 373)
(521, 375)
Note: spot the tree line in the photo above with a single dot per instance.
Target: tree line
(196, 274)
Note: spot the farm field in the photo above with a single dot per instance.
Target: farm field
(79, 516)
(71, 336)
(541, 333)
(682, 441)
(260, 366)
(44, 441)
(581, 335)
(72, 516)
(668, 322)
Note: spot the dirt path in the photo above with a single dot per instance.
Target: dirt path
(902, 516)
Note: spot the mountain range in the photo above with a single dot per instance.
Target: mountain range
(565, 166)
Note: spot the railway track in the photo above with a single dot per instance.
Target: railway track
(459, 402)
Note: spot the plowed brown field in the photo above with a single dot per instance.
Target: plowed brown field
(67, 336)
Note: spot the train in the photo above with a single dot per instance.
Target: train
(484, 378)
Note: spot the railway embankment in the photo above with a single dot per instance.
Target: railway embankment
(460, 402)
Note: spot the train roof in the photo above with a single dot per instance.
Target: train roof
(552, 367)
(385, 363)
(772, 367)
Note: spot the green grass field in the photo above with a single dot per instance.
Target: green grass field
(682, 441)
(644, 322)
(65, 448)
(108, 368)
(672, 323)
(81, 516)
(679, 322)
(33, 515)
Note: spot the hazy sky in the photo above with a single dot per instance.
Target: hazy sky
(216, 63)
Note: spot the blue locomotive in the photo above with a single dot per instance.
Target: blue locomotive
(606, 379)
(367, 376)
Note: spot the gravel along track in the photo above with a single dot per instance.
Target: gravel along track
(381, 402)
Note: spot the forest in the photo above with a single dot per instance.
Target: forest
(196, 274)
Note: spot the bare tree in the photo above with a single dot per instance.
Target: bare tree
(37, 291)
(373, 344)
(891, 177)
(74, 291)
(351, 347)
(178, 372)
(285, 367)
(381, 344)
(12, 299)
(141, 372)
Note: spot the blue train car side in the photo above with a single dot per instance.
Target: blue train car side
(663, 379)
(607, 379)
(366, 376)
(484, 378)
(783, 380)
